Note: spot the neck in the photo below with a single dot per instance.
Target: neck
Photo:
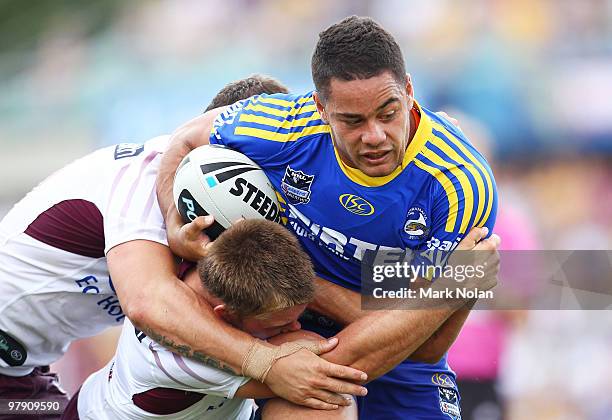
(413, 126)
(193, 281)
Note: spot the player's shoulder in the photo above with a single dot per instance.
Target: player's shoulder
(443, 132)
(460, 174)
(446, 154)
(277, 117)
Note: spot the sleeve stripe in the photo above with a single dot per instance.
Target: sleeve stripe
(162, 368)
(475, 174)
(280, 112)
(282, 102)
(479, 165)
(181, 364)
(116, 182)
(280, 137)
(130, 195)
(451, 193)
(149, 204)
(286, 124)
(466, 186)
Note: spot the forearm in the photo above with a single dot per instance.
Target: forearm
(254, 389)
(184, 323)
(432, 350)
(193, 134)
(183, 140)
(344, 306)
(336, 302)
(379, 341)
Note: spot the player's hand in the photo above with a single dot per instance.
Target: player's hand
(305, 379)
(447, 117)
(476, 251)
(187, 240)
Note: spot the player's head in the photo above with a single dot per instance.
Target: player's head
(255, 84)
(260, 276)
(364, 94)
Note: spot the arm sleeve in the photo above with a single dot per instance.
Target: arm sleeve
(131, 211)
(267, 127)
(455, 211)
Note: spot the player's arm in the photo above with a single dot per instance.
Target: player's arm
(186, 241)
(169, 312)
(427, 336)
(380, 340)
(377, 342)
(344, 306)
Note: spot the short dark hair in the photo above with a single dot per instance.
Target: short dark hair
(355, 48)
(256, 267)
(255, 84)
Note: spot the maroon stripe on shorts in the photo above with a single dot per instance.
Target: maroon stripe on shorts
(164, 401)
(72, 225)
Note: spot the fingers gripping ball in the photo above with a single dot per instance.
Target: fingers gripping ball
(226, 184)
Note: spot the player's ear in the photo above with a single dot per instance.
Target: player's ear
(409, 88)
(222, 312)
(320, 107)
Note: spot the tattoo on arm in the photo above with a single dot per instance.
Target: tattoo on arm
(186, 351)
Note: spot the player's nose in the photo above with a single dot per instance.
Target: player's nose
(373, 134)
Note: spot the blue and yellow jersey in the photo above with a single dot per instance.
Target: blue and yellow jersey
(443, 188)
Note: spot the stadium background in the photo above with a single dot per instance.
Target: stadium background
(530, 81)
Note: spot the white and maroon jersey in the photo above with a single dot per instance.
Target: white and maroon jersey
(54, 281)
(146, 381)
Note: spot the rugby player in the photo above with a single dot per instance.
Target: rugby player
(257, 278)
(97, 219)
(360, 166)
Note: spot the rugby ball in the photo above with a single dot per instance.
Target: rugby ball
(226, 184)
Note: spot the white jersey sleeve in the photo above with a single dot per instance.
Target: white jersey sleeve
(54, 281)
(131, 211)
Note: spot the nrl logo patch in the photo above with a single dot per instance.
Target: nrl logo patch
(449, 402)
(416, 223)
(296, 186)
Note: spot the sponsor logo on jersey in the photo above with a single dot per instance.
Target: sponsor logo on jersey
(442, 379)
(296, 186)
(416, 223)
(333, 241)
(356, 205)
(110, 304)
(449, 402)
(125, 150)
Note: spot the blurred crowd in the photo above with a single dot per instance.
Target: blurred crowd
(529, 81)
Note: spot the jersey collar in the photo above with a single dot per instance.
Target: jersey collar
(415, 146)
